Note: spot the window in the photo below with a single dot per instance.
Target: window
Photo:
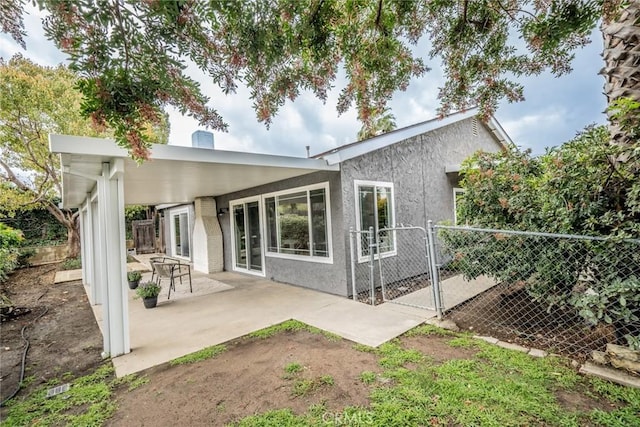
(375, 208)
(298, 223)
(457, 195)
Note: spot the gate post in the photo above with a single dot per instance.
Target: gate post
(435, 280)
(353, 263)
(372, 245)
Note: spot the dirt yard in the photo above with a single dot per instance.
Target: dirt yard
(62, 332)
(293, 370)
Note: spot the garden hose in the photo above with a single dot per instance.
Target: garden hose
(24, 356)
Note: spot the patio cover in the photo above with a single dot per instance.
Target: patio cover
(173, 174)
(99, 179)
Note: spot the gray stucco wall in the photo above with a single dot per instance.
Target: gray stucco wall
(422, 189)
(330, 278)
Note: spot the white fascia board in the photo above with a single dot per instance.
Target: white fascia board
(384, 140)
(502, 136)
(107, 148)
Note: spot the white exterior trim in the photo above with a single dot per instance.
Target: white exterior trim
(456, 191)
(172, 230)
(377, 142)
(232, 227)
(310, 258)
(362, 183)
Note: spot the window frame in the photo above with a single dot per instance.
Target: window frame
(363, 183)
(456, 192)
(232, 227)
(307, 189)
(172, 229)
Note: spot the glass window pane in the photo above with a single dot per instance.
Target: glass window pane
(184, 232)
(177, 235)
(272, 226)
(319, 222)
(366, 198)
(385, 220)
(293, 216)
(241, 250)
(253, 236)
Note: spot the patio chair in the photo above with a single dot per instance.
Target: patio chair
(155, 260)
(172, 271)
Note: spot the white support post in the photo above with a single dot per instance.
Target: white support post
(88, 250)
(97, 247)
(116, 309)
(82, 216)
(102, 257)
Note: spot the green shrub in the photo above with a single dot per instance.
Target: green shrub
(71, 264)
(10, 241)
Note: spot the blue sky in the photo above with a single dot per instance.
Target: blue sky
(554, 109)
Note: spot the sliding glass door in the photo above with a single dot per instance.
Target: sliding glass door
(180, 232)
(247, 251)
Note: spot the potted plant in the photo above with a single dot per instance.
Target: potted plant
(134, 279)
(149, 292)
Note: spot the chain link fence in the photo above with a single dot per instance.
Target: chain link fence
(563, 293)
(392, 265)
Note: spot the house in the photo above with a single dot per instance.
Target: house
(283, 218)
(274, 230)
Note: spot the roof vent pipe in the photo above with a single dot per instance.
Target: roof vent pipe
(202, 139)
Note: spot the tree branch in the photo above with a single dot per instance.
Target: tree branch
(125, 45)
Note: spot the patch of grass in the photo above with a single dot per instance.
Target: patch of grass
(204, 354)
(627, 415)
(305, 386)
(291, 326)
(393, 355)
(293, 368)
(27, 381)
(132, 381)
(326, 380)
(87, 403)
(302, 387)
(364, 348)
(276, 418)
(464, 341)
(494, 387)
(427, 329)
(368, 377)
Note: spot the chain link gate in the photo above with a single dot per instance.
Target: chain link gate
(401, 275)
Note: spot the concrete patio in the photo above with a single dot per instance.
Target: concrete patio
(226, 306)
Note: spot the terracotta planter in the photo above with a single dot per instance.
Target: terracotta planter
(150, 302)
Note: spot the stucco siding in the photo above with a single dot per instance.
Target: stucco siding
(422, 189)
(326, 277)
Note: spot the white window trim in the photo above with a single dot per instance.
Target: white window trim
(232, 227)
(310, 258)
(361, 183)
(172, 228)
(456, 191)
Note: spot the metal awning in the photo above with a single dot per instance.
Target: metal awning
(173, 174)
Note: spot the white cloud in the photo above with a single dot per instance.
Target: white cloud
(522, 128)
